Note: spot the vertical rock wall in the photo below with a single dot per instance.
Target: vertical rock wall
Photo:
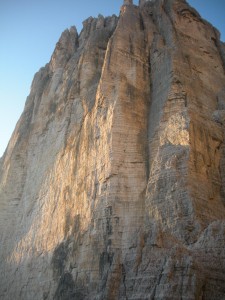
(112, 185)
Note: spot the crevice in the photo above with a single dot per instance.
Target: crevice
(142, 25)
(109, 177)
(124, 281)
(159, 279)
(147, 63)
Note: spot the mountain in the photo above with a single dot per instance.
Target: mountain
(113, 183)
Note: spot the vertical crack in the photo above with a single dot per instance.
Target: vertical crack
(124, 281)
(159, 279)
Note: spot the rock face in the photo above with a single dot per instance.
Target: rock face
(113, 183)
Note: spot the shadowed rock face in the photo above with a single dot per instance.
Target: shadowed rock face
(113, 183)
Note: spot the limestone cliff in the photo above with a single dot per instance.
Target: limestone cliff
(113, 183)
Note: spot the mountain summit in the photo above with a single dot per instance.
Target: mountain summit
(113, 183)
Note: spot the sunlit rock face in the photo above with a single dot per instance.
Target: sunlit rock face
(113, 183)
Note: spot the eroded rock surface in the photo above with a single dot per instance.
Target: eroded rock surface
(113, 183)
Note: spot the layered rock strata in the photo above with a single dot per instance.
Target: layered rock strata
(113, 183)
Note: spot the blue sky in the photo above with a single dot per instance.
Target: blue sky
(29, 30)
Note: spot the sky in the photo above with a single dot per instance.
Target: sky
(29, 30)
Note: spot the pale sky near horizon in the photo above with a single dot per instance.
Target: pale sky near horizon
(29, 30)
